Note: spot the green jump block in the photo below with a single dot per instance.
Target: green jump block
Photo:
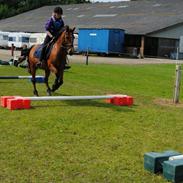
(153, 160)
(173, 170)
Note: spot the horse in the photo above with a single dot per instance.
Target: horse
(56, 60)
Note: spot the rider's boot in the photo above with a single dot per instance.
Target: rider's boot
(40, 64)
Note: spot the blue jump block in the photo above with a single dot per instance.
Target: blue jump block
(173, 170)
(153, 160)
(39, 79)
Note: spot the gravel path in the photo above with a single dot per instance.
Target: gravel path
(119, 60)
(6, 55)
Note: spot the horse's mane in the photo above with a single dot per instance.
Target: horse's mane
(65, 28)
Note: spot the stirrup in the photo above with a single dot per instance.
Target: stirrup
(39, 64)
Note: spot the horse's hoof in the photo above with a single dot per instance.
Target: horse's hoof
(53, 88)
(36, 93)
(49, 92)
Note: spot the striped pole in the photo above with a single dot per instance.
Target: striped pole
(39, 79)
(19, 77)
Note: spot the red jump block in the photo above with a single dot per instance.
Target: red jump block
(130, 100)
(4, 100)
(14, 103)
(26, 103)
(122, 100)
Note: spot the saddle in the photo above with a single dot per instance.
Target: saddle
(48, 47)
(47, 51)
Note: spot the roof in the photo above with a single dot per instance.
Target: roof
(136, 17)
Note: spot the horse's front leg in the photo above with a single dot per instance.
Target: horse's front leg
(33, 73)
(58, 80)
(47, 74)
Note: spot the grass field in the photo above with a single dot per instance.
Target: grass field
(89, 141)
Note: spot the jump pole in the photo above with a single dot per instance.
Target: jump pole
(92, 97)
(39, 79)
(17, 102)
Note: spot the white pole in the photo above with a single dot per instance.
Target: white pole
(175, 157)
(73, 97)
(29, 77)
(177, 84)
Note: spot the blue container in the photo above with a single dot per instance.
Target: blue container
(101, 40)
(173, 170)
(153, 160)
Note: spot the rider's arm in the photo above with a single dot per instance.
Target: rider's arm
(49, 27)
(49, 34)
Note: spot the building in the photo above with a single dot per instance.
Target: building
(153, 27)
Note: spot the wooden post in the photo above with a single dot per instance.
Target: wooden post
(12, 50)
(177, 84)
(177, 54)
(87, 55)
(142, 47)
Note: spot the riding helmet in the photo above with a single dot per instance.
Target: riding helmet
(58, 10)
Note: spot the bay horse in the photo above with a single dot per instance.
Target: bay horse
(56, 60)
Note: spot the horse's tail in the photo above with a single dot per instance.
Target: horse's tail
(27, 55)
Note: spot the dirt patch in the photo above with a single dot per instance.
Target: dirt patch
(168, 102)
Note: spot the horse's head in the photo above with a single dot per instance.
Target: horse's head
(68, 40)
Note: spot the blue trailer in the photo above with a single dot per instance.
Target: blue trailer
(101, 40)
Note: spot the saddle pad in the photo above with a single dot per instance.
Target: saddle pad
(37, 53)
(48, 49)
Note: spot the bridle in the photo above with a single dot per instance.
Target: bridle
(66, 47)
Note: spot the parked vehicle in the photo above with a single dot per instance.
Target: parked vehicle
(18, 39)
(36, 38)
(102, 41)
(4, 39)
(75, 42)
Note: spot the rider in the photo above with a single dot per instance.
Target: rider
(52, 26)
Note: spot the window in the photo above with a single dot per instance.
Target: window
(80, 16)
(24, 39)
(104, 15)
(5, 37)
(12, 39)
(33, 40)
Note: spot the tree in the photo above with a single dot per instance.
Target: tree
(13, 7)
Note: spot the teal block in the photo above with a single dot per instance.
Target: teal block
(173, 170)
(153, 160)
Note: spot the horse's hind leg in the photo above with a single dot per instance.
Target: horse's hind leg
(28, 68)
(47, 74)
(33, 73)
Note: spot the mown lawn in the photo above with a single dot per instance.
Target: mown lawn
(89, 141)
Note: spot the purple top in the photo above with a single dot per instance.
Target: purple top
(54, 25)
